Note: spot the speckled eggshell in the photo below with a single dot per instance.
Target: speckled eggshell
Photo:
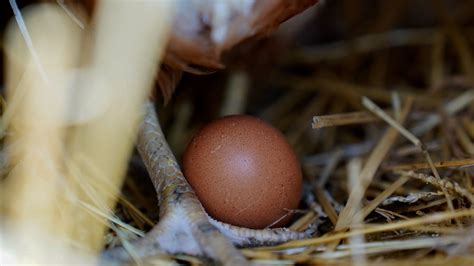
(244, 172)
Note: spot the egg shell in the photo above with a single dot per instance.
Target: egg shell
(244, 172)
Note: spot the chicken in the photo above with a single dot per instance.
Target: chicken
(202, 31)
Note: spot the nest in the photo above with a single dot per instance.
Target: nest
(376, 97)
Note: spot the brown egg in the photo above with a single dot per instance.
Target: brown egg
(244, 172)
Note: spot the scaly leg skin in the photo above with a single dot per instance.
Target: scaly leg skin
(184, 226)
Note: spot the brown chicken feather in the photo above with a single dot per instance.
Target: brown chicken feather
(204, 29)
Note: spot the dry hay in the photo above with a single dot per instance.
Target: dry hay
(379, 107)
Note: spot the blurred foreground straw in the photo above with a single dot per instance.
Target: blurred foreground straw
(71, 130)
